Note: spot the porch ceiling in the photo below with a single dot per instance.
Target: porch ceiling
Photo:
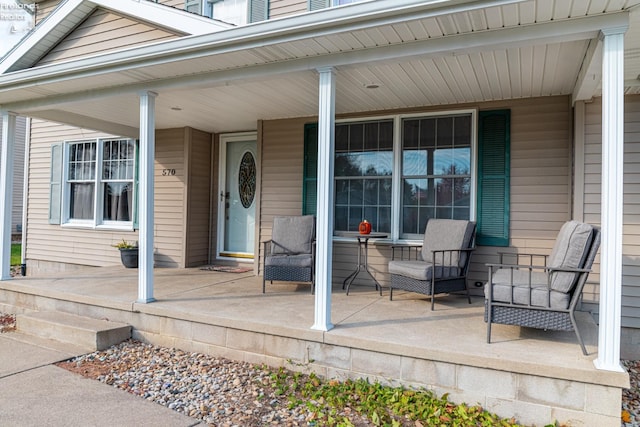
(417, 54)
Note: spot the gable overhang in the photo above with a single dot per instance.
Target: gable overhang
(70, 13)
(273, 64)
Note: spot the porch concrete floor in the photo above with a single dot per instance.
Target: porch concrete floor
(455, 332)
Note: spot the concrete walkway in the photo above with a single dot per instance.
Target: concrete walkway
(34, 392)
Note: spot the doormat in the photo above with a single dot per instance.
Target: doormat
(227, 268)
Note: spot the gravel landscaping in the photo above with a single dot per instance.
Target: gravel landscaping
(631, 395)
(228, 393)
(218, 391)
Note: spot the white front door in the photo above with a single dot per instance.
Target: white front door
(237, 207)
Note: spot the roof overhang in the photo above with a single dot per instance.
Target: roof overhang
(70, 13)
(276, 60)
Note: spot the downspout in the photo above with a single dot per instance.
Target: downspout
(25, 197)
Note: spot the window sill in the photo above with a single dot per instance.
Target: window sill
(101, 227)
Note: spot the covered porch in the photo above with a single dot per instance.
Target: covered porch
(536, 376)
(387, 57)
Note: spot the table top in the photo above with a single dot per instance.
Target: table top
(355, 234)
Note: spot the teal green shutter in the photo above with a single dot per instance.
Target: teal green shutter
(493, 178)
(258, 10)
(55, 185)
(318, 4)
(310, 170)
(193, 6)
(136, 181)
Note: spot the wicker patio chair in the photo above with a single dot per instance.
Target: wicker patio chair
(440, 265)
(543, 296)
(290, 254)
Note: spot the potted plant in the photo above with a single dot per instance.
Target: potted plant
(128, 253)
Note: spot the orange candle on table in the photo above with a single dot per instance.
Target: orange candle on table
(365, 227)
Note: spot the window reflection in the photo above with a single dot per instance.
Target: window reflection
(436, 171)
(435, 168)
(363, 169)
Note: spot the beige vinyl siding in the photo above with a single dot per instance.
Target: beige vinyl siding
(44, 8)
(178, 4)
(18, 174)
(199, 197)
(281, 173)
(93, 247)
(282, 151)
(103, 32)
(55, 243)
(541, 150)
(279, 8)
(631, 207)
(215, 188)
(170, 197)
(540, 186)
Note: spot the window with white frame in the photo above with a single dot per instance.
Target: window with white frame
(399, 172)
(341, 2)
(99, 182)
(230, 11)
(321, 4)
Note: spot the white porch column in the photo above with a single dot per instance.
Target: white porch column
(146, 190)
(6, 192)
(611, 203)
(324, 215)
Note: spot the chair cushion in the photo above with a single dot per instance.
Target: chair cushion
(421, 270)
(502, 289)
(293, 234)
(300, 260)
(569, 251)
(447, 234)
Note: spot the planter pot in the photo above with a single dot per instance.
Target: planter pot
(129, 257)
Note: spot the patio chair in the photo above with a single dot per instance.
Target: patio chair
(543, 296)
(290, 254)
(440, 265)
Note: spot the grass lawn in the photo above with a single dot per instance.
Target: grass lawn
(16, 253)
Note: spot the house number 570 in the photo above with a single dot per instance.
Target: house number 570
(168, 172)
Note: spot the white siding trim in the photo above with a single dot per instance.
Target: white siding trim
(25, 192)
(579, 158)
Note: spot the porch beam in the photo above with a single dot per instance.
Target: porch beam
(505, 38)
(324, 213)
(146, 194)
(6, 191)
(611, 203)
(590, 73)
(87, 122)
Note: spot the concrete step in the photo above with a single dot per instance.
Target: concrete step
(84, 332)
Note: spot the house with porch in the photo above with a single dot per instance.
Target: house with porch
(187, 126)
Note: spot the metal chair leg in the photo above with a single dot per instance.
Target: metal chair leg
(575, 328)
